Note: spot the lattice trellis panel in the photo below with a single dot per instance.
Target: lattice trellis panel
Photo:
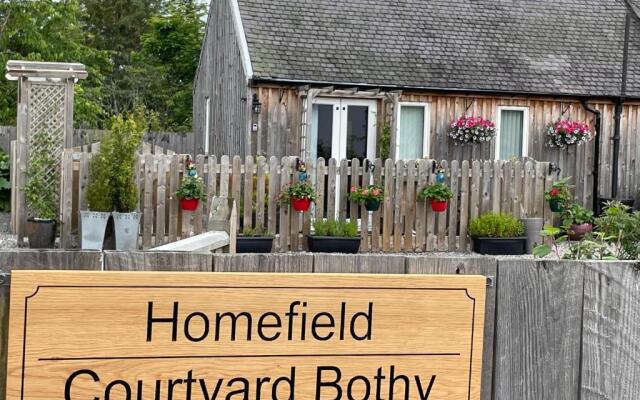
(47, 128)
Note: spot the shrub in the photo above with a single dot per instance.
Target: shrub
(255, 232)
(437, 192)
(622, 227)
(496, 226)
(335, 228)
(40, 193)
(112, 184)
(191, 188)
(576, 214)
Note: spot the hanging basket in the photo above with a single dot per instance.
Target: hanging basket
(372, 205)
(189, 204)
(439, 206)
(301, 205)
(556, 206)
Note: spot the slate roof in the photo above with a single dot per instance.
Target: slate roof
(526, 46)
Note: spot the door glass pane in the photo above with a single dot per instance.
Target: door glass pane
(411, 132)
(511, 134)
(322, 130)
(357, 128)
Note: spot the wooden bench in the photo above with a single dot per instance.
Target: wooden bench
(223, 223)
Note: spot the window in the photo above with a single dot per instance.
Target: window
(513, 132)
(412, 140)
(207, 124)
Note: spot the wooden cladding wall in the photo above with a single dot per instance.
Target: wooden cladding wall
(280, 131)
(576, 161)
(222, 79)
(280, 123)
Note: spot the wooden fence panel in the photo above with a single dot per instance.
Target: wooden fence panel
(404, 223)
(611, 328)
(538, 329)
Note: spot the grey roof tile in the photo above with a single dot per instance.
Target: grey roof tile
(545, 46)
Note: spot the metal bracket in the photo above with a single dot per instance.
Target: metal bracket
(491, 281)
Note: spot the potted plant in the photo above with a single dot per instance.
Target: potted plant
(100, 203)
(370, 196)
(472, 130)
(127, 135)
(300, 195)
(578, 221)
(40, 195)
(564, 133)
(497, 234)
(559, 195)
(190, 192)
(439, 194)
(332, 236)
(254, 240)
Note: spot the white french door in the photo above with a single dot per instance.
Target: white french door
(343, 128)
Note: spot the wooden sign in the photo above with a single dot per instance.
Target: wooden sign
(190, 336)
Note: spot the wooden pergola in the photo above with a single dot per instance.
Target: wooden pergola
(45, 103)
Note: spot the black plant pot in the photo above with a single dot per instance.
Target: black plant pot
(500, 246)
(254, 244)
(41, 233)
(326, 244)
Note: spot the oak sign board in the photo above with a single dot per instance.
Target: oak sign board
(191, 336)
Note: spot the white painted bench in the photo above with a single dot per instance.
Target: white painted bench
(222, 234)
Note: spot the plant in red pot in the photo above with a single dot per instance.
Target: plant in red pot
(439, 194)
(190, 192)
(577, 221)
(371, 196)
(300, 195)
(559, 195)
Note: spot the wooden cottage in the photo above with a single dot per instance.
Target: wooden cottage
(361, 78)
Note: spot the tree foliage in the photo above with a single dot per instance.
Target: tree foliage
(137, 52)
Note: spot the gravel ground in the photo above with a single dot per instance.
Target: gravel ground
(7, 240)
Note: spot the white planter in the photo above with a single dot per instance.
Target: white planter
(532, 228)
(126, 227)
(94, 225)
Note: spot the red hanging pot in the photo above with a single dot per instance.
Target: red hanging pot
(301, 205)
(189, 204)
(439, 206)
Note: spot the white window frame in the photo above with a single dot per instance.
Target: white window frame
(525, 129)
(207, 124)
(426, 134)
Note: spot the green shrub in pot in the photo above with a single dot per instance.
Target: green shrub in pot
(40, 198)
(333, 236)
(497, 234)
(577, 221)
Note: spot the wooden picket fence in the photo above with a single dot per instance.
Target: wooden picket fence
(403, 224)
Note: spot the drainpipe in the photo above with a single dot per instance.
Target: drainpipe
(620, 108)
(596, 153)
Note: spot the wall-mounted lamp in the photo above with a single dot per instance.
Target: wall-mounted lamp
(256, 105)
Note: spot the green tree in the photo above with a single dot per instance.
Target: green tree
(49, 30)
(170, 51)
(136, 52)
